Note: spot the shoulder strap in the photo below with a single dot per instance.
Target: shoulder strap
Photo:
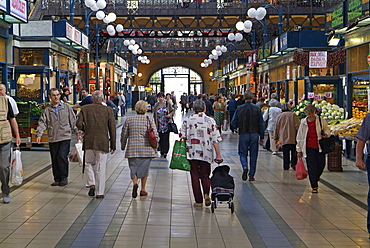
(320, 122)
(148, 122)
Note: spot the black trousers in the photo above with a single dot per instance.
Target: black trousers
(59, 159)
(289, 155)
(315, 165)
(164, 142)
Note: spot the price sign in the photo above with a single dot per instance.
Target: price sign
(310, 95)
(317, 97)
(328, 94)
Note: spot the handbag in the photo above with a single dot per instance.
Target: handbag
(179, 160)
(300, 170)
(16, 175)
(172, 127)
(151, 135)
(327, 144)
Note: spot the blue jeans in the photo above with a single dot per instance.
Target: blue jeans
(248, 142)
(368, 193)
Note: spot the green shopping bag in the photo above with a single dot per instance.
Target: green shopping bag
(179, 160)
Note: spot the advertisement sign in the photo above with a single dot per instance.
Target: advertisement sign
(85, 41)
(3, 5)
(328, 95)
(318, 59)
(18, 9)
(69, 31)
(317, 97)
(77, 36)
(310, 95)
(283, 42)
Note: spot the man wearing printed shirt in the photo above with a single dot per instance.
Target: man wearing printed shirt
(248, 118)
(363, 135)
(58, 118)
(202, 136)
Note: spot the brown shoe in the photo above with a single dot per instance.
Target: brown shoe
(207, 200)
(143, 193)
(251, 179)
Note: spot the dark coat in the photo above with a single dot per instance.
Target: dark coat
(98, 124)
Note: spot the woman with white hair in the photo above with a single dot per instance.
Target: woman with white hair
(270, 116)
(138, 151)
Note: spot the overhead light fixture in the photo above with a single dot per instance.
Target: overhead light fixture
(334, 41)
(352, 26)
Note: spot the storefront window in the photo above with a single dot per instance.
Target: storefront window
(31, 57)
(360, 94)
(28, 87)
(326, 92)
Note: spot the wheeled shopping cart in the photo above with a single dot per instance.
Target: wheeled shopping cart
(222, 188)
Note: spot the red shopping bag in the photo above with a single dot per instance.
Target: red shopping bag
(300, 170)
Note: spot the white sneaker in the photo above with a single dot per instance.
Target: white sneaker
(6, 198)
(274, 153)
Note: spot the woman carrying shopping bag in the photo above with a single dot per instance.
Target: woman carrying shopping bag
(308, 136)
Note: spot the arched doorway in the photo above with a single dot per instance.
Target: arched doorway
(178, 79)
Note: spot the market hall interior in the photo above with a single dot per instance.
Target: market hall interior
(276, 210)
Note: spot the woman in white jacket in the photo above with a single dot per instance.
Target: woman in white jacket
(312, 129)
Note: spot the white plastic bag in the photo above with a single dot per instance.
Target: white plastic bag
(80, 153)
(225, 125)
(16, 173)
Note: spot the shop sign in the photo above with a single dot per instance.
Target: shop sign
(317, 97)
(77, 37)
(288, 72)
(318, 59)
(337, 17)
(85, 41)
(69, 31)
(310, 95)
(328, 95)
(18, 9)
(354, 9)
(283, 42)
(3, 5)
(368, 59)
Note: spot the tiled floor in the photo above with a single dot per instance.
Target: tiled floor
(274, 211)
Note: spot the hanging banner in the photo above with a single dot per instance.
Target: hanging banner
(318, 59)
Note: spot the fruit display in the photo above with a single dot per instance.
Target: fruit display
(299, 109)
(28, 93)
(329, 111)
(347, 128)
(363, 103)
(359, 114)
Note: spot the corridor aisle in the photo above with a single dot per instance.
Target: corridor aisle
(274, 211)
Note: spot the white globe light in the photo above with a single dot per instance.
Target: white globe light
(132, 42)
(202, 64)
(139, 51)
(100, 15)
(126, 42)
(113, 33)
(89, 3)
(231, 36)
(148, 61)
(119, 28)
(252, 13)
(112, 17)
(261, 12)
(238, 37)
(210, 56)
(223, 49)
(134, 52)
(101, 4)
(239, 25)
(247, 30)
(94, 7)
(140, 58)
(215, 57)
(145, 57)
(210, 61)
(136, 46)
(219, 53)
(218, 48)
(214, 52)
(248, 24)
(131, 47)
(106, 20)
(110, 28)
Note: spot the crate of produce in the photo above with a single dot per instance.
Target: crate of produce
(24, 132)
(24, 120)
(23, 125)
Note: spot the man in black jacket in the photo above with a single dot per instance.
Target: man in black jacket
(248, 118)
(209, 109)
